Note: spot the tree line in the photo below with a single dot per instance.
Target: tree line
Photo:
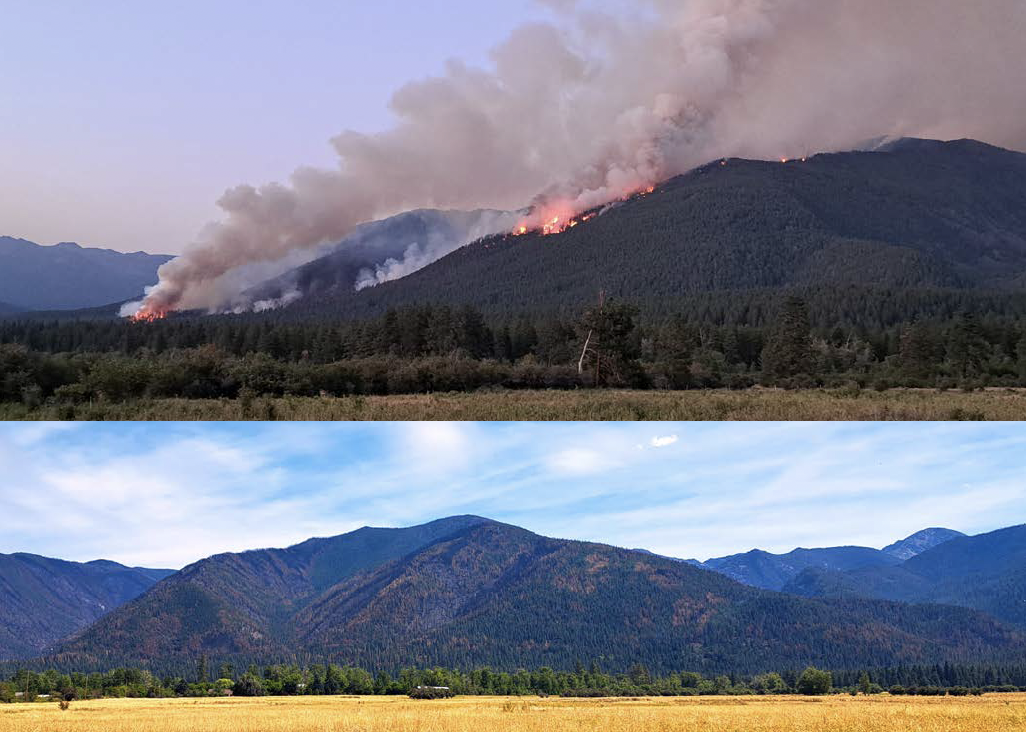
(440, 349)
(583, 681)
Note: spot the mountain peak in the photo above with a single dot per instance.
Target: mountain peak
(920, 541)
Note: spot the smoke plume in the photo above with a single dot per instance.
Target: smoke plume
(613, 98)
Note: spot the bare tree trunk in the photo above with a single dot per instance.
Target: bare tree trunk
(587, 342)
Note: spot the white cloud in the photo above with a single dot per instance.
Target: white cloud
(169, 494)
(580, 461)
(438, 446)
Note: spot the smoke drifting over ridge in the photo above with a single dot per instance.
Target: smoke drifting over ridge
(614, 99)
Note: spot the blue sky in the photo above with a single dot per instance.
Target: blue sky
(168, 494)
(122, 122)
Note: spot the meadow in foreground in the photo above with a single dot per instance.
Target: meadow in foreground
(526, 714)
(754, 404)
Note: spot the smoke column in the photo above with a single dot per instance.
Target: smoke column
(614, 98)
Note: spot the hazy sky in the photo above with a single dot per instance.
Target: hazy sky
(168, 494)
(122, 122)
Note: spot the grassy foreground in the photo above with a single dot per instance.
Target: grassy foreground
(471, 714)
(754, 404)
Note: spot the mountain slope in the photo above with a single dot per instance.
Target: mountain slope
(916, 215)
(483, 593)
(43, 600)
(239, 604)
(380, 251)
(68, 276)
(774, 571)
(920, 541)
(985, 572)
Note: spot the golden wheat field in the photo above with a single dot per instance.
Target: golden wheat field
(999, 712)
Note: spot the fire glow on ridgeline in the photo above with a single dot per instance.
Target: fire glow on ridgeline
(550, 219)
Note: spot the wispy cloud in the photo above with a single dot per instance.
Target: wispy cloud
(168, 494)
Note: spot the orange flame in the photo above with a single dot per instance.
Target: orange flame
(556, 218)
(146, 315)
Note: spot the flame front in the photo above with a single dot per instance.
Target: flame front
(148, 315)
(557, 217)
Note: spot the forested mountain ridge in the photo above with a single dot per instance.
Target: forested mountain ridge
(986, 572)
(774, 571)
(475, 592)
(67, 276)
(917, 215)
(240, 603)
(44, 599)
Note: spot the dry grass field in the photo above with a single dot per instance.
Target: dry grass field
(755, 404)
(1000, 713)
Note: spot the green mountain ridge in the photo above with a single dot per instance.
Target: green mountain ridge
(472, 592)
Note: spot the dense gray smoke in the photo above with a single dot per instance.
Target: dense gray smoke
(615, 98)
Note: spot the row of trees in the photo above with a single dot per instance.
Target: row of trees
(426, 349)
(329, 679)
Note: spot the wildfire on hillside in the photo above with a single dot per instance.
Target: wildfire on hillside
(147, 315)
(557, 218)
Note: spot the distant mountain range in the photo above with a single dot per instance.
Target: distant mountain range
(43, 600)
(986, 572)
(67, 276)
(775, 571)
(466, 591)
(912, 216)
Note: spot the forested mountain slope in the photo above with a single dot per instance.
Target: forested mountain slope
(383, 249)
(985, 572)
(484, 593)
(241, 603)
(42, 599)
(918, 215)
